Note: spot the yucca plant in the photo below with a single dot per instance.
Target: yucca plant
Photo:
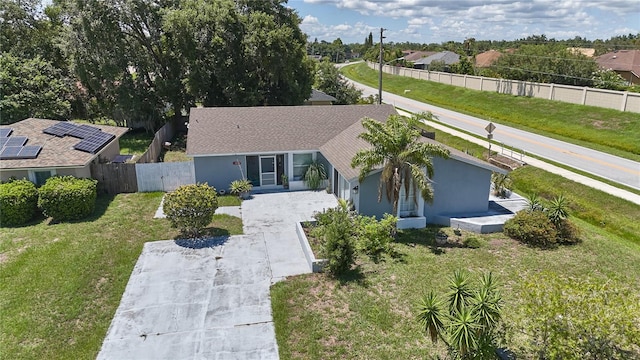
(558, 209)
(469, 326)
(502, 183)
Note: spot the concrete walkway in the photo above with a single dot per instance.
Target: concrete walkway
(209, 299)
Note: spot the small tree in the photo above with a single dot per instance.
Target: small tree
(468, 322)
(337, 229)
(190, 208)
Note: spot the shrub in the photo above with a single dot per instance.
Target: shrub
(336, 228)
(67, 197)
(375, 236)
(18, 202)
(568, 233)
(532, 228)
(502, 184)
(473, 242)
(240, 187)
(578, 318)
(190, 208)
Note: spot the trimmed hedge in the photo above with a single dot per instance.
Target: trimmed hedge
(18, 202)
(68, 197)
(190, 208)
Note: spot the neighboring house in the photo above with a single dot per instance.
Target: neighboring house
(264, 143)
(487, 58)
(319, 98)
(37, 149)
(417, 55)
(624, 62)
(447, 57)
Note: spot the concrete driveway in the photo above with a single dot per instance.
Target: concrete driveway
(210, 299)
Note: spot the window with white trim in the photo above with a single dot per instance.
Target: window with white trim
(300, 164)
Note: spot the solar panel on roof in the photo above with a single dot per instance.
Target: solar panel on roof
(29, 152)
(3, 140)
(94, 143)
(60, 129)
(5, 132)
(16, 141)
(10, 152)
(83, 131)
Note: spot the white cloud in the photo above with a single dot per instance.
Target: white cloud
(310, 20)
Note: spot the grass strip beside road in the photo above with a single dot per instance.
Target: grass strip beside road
(60, 284)
(606, 130)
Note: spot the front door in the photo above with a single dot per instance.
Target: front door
(268, 170)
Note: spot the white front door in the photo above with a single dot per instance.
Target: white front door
(267, 170)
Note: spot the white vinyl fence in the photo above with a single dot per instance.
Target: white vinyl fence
(618, 100)
(164, 176)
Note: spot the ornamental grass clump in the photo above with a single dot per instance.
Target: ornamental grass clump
(190, 208)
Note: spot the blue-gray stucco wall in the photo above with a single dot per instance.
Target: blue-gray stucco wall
(219, 171)
(368, 198)
(459, 188)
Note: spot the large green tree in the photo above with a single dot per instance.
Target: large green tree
(329, 81)
(405, 160)
(141, 57)
(32, 88)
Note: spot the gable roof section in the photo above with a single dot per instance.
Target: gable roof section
(487, 58)
(417, 55)
(317, 95)
(447, 57)
(621, 60)
(56, 151)
(244, 130)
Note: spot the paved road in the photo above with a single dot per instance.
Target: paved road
(614, 168)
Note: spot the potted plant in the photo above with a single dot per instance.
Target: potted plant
(285, 181)
(241, 188)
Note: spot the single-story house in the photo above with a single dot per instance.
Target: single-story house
(319, 98)
(36, 149)
(265, 143)
(446, 57)
(624, 62)
(417, 55)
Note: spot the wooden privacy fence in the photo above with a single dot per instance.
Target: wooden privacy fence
(115, 178)
(164, 134)
(164, 176)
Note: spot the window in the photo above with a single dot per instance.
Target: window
(407, 204)
(40, 177)
(300, 164)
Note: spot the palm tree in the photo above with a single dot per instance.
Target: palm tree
(403, 158)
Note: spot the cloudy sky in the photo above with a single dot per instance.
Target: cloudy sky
(434, 21)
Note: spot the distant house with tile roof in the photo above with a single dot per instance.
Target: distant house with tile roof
(446, 57)
(624, 62)
(487, 58)
(265, 143)
(60, 154)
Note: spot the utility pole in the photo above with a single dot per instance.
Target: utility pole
(381, 61)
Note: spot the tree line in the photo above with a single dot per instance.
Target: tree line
(143, 61)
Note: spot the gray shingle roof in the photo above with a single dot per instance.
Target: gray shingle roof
(447, 57)
(243, 130)
(317, 95)
(56, 151)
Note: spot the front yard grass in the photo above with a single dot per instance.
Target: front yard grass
(607, 130)
(371, 314)
(60, 284)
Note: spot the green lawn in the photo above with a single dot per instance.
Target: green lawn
(371, 314)
(135, 142)
(60, 284)
(606, 130)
